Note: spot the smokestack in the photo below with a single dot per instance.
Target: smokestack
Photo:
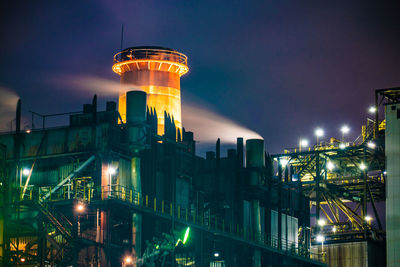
(136, 103)
(18, 117)
(255, 162)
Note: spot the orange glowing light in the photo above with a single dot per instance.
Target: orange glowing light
(156, 72)
(80, 207)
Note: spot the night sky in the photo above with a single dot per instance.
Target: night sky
(279, 68)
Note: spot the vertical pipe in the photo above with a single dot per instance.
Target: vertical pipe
(255, 163)
(317, 189)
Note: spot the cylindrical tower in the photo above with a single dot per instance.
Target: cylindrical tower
(156, 71)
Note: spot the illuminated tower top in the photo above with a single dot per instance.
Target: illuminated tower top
(156, 71)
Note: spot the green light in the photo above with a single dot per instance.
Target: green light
(186, 235)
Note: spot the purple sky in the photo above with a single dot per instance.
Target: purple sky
(280, 68)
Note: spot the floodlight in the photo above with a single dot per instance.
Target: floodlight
(345, 129)
(371, 145)
(363, 166)
(111, 170)
(319, 132)
(320, 238)
(26, 171)
(321, 222)
(304, 143)
(330, 166)
(372, 109)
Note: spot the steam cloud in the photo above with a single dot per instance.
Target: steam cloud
(207, 125)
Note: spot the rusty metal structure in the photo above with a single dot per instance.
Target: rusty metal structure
(111, 190)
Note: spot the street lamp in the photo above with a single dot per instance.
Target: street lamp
(330, 166)
(80, 207)
(371, 145)
(111, 171)
(363, 166)
(26, 171)
(319, 133)
(303, 143)
(345, 130)
(321, 222)
(368, 219)
(372, 109)
(127, 260)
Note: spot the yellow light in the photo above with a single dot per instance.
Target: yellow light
(22, 259)
(334, 229)
(321, 222)
(368, 218)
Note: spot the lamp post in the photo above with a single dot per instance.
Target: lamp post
(319, 133)
(303, 143)
(345, 130)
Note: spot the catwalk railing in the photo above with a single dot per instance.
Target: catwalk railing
(202, 219)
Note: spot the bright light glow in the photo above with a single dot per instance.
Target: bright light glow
(345, 129)
(384, 173)
(321, 222)
(185, 238)
(319, 132)
(342, 146)
(216, 254)
(80, 207)
(368, 218)
(28, 131)
(304, 143)
(23, 259)
(334, 229)
(330, 166)
(284, 162)
(372, 109)
(363, 166)
(111, 170)
(26, 171)
(320, 238)
(128, 259)
(371, 145)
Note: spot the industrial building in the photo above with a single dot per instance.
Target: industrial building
(124, 187)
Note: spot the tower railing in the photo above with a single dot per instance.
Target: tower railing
(150, 53)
